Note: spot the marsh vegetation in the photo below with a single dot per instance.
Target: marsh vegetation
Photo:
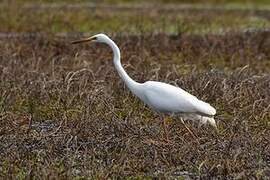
(64, 112)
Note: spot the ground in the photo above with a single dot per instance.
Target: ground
(65, 113)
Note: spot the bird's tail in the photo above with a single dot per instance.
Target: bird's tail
(201, 119)
(209, 120)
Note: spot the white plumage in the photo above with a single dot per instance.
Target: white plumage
(161, 97)
(166, 98)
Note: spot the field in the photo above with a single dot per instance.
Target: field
(66, 114)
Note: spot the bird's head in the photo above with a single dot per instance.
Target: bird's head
(96, 38)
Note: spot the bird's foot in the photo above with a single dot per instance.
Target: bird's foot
(167, 141)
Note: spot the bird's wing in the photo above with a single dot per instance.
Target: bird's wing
(168, 98)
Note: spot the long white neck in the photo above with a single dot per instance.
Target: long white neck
(131, 84)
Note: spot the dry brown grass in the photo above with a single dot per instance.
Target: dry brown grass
(65, 113)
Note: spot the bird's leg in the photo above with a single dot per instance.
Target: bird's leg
(193, 135)
(165, 128)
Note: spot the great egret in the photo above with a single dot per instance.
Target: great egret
(161, 97)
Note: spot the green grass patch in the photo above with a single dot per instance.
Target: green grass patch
(134, 23)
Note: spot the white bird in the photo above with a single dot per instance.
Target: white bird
(161, 97)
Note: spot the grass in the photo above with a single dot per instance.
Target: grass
(84, 123)
(65, 113)
(134, 22)
(263, 2)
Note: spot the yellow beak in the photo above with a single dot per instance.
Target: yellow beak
(84, 40)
